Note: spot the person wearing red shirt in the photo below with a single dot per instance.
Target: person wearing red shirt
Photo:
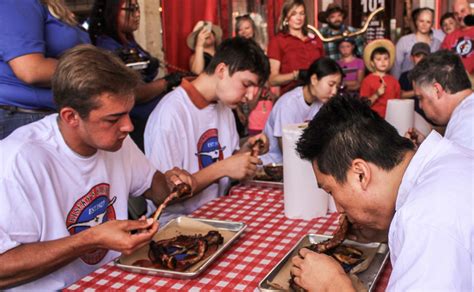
(461, 41)
(293, 49)
(379, 86)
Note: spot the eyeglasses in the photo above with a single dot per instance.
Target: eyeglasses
(132, 8)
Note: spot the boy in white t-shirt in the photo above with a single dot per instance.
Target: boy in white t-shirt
(65, 180)
(193, 127)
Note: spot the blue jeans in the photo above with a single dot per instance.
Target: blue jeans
(10, 121)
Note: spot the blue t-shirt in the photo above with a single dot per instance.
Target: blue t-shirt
(27, 27)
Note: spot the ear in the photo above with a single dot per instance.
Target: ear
(361, 173)
(314, 79)
(69, 116)
(439, 90)
(221, 70)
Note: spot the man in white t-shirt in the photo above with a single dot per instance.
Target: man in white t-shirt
(193, 127)
(65, 180)
(444, 90)
(378, 180)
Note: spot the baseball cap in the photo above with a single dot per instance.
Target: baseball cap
(420, 48)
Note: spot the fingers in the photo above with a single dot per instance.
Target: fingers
(131, 225)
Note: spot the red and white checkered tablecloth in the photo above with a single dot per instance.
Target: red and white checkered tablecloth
(267, 239)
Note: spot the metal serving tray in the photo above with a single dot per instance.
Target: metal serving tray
(368, 277)
(232, 229)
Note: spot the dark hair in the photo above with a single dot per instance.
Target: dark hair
(322, 67)
(241, 18)
(344, 129)
(417, 12)
(285, 9)
(446, 16)
(379, 51)
(84, 72)
(104, 19)
(241, 54)
(443, 67)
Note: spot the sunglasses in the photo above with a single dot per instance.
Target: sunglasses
(132, 8)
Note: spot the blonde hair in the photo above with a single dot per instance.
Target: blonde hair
(59, 9)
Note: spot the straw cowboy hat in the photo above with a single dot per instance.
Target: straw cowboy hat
(191, 39)
(333, 7)
(387, 44)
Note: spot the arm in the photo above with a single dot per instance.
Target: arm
(277, 79)
(148, 91)
(196, 62)
(34, 69)
(31, 261)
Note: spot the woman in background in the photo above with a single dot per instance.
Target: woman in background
(203, 40)
(253, 114)
(293, 49)
(112, 25)
(423, 20)
(301, 104)
(33, 34)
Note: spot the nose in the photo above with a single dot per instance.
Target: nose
(250, 93)
(334, 90)
(127, 125)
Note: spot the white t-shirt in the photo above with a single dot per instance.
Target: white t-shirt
(291, 108)
(460, 127)
(185, 132)
(48, 192)
(431, 233)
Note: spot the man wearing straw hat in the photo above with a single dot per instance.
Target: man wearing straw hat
(444, 91)
(65, 180)
(376, 178)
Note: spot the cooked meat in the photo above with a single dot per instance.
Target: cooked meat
(183, 251)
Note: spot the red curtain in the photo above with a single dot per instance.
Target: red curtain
(274, 10)
(179, 18)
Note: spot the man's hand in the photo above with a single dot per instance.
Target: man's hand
(117, 234)
(415, 136)
(262, 147)
(241, 166)
(364, 234)
(319, 272)
(176, 176)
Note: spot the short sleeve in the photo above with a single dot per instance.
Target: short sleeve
(274, 51)
(142, 171)
(284, 115)
(163, 146)
(21, 28)
(18, 222)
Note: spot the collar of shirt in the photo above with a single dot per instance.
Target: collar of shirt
(196, 97)
(431, 146)
(309, 37)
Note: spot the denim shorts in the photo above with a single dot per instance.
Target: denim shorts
(10, 121)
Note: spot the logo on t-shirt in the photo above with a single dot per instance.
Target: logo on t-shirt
(209, 149)
(463, 47)
(92, 209)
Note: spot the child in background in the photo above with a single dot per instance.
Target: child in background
(448, 23)
(352, 66)
(379, 86)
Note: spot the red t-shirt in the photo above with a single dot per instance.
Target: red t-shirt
(294, 54)
(461, 42)
(371, 83)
